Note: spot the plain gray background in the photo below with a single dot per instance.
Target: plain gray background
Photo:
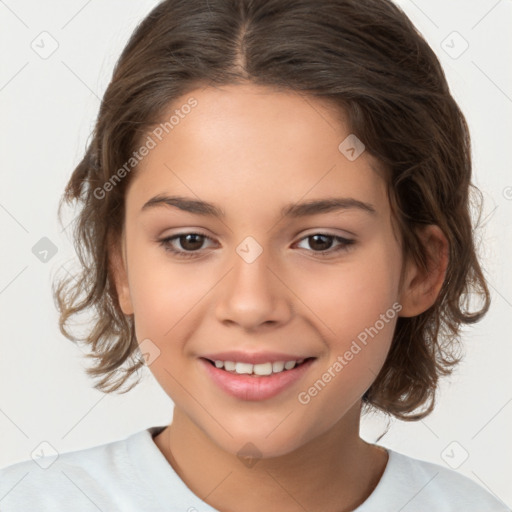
(57, 60)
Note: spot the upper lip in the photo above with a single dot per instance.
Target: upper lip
(254, 357)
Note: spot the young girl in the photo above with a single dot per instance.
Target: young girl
(274, 218)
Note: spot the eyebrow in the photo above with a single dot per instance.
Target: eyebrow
(292, 210)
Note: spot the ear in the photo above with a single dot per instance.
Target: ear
(421, 288)
(118, 269)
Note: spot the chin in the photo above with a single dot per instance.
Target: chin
(261, 443)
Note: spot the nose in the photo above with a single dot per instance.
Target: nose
(254, 294)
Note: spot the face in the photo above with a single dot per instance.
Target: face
(258, 277)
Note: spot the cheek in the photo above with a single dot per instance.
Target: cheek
(359, 309)
(351, 296)
(163, 293)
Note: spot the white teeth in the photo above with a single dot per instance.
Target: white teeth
(278, 366)
(243, 368)
(229, 366)
(263, 369)
(257, 369)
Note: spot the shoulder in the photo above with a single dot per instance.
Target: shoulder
(66, 481)
(420, 486)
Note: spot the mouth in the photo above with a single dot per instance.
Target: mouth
(255, 382)
(257, 370)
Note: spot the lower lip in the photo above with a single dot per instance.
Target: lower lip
(252, 387)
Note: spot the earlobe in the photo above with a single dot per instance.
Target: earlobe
(421, 287)
(117, 269)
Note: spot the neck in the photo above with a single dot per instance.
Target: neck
(336, 471)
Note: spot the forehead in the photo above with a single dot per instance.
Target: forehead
(243, 143)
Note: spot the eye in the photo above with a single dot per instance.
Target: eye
(190, 242)
(323, 243)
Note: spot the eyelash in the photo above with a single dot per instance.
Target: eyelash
(166, 244)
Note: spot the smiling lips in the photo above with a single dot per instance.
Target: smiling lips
(260, 369)
(255, 376)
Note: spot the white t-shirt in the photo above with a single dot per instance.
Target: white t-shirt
(133, 475)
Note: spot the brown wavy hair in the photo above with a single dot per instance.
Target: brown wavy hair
(368, 59)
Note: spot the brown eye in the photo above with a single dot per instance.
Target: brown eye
(191, 241)
(322, 243)
(184, 245)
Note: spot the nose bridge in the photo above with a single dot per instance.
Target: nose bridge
(251, 278)
(252, 294)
